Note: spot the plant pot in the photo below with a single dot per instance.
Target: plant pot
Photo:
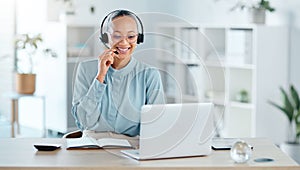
(25, 83)
(292, 149)
(257, 16)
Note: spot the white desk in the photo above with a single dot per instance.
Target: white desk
(19, 153)
(15, 97)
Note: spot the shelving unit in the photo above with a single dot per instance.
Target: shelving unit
(74, 43)
(82, 44)
(219, 63)
(82, 40)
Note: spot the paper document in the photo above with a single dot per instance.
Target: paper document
(92, 143)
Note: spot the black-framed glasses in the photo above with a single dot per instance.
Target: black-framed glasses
(116, 37)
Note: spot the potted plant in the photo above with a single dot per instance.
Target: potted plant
(257, 10)
(30, 49)
(291, 108)
(242, 96)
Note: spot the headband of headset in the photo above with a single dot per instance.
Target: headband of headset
(104, 37)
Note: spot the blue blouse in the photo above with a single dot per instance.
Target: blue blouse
(114, 105)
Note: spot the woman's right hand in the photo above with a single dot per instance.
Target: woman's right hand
(104, 61)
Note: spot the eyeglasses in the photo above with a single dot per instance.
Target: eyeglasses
(131, 38)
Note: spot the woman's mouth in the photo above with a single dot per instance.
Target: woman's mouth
(123, 50)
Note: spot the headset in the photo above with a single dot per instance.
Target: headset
(104, 36)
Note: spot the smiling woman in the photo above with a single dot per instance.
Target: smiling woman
(110, 91)
(123, 38)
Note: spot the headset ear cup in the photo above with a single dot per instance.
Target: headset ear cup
(140, 38)
(104, 38)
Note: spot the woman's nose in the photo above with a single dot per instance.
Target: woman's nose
(124, 40)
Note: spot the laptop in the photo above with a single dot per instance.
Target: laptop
(174, 130)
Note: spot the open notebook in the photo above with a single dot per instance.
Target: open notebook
(92, 143)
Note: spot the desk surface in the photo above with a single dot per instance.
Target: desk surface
(19, 153)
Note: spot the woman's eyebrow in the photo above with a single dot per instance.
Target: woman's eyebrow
(131, 32)
(121, 32)
(116, 31)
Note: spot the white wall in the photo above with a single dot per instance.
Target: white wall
(6, 54)
(51, 73)
(30, 21)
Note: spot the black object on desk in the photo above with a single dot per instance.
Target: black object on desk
(46, 147)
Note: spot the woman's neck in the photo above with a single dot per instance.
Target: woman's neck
(119, 64)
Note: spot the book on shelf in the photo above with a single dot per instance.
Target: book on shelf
(194, 37)
(92, 143)
(194, 81)
(215, 57)
(189, 39)
(239, 47)
(185, 41)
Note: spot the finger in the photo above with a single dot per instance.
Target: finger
(107, 60)
(108, 63)
(113, 53)
(114, 49)
(104, 54)
(105, 63)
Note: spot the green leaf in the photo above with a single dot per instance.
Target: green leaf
(284, 110)
(295, 97)
(35, 46)
(266, 5)
(297, 121)
(39, 38)
(287, 105)
(26, 37)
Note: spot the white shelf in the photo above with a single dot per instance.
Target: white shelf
(229, 65)
(191, 61)
(241, 105)
(70, 39)
(218, 102)
(172, 60)
(238, 60)
(82, 25)
(241, 66)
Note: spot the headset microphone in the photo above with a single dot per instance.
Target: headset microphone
(116, 52)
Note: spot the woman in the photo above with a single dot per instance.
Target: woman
(109, 92)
